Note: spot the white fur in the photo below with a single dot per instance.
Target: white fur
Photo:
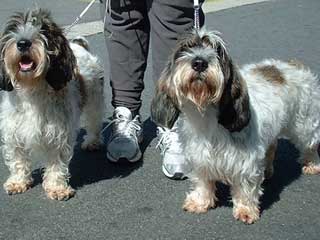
(42, 122)
(291, 109)
(93, 110)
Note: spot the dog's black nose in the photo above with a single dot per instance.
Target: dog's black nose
(23, 45)
(199, 64)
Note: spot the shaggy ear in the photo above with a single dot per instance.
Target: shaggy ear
(234, 111)
(5, 83)
(62, 62)
(164, 111)
(62, 66)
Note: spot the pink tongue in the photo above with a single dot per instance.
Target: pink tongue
(25, 66)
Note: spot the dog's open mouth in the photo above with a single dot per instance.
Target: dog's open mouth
(26, 64)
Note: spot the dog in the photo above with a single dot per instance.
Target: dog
(230, 119)
(48, 83)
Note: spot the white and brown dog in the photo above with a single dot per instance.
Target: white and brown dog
(231, 119)
(49, 82)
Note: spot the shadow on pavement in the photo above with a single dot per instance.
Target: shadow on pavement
(149, 133)
(286, 170)
(90, 167)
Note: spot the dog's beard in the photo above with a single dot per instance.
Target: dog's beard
(25, 69)
(201, 88)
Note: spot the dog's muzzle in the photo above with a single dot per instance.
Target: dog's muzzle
(24, 45)
(199, 64)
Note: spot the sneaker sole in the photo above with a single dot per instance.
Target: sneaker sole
(175, 176)
(136, 158)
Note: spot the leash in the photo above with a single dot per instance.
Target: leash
(196, 20)
(196, 7)
(80, 16)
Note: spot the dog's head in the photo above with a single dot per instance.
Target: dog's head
(34, 48)
(201, 72)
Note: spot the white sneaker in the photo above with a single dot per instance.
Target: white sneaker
(174, 164)
(125, 136)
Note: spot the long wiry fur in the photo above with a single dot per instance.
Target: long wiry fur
(231, 119)
(40, 110)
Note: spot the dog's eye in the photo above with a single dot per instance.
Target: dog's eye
(33, 21)
(206, 42)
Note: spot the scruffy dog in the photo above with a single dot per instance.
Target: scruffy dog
(231, 119)
(49, 82)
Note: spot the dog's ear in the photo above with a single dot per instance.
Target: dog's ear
(164, 111)
(234, 109)
(62, 66)
(62, 62)
(5, 83)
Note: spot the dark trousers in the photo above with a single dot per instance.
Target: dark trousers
(129, 28)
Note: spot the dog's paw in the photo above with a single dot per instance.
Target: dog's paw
(91, 145)
(194, 203)
(268, 173)
(311, 169)
(17, 187)
(61, 194)
(248, 215)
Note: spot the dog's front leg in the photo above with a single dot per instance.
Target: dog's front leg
(56, 176)
(202, 197)
(16, 158)
(245, 197)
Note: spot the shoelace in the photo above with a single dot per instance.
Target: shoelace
(132, 126)
(168, 136)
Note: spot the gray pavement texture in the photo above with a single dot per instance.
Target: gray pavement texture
(135, 201)
(63, 11)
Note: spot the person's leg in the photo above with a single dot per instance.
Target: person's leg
(169, 20)
(127, 28)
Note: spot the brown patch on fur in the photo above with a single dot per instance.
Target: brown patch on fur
(270, 73)
(11, 60)
(311, 164)
(199, 91)
(164, 86)
(60, 194)
(245, 214)
(164, 105)
(269, 158)
(192, 206)
(17, 187)
(94, 146)
(311, 169)
(201, 200)
(12, 57)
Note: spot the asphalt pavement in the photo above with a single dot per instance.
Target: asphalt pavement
(136, 201)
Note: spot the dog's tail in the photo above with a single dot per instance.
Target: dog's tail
(81, 41)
